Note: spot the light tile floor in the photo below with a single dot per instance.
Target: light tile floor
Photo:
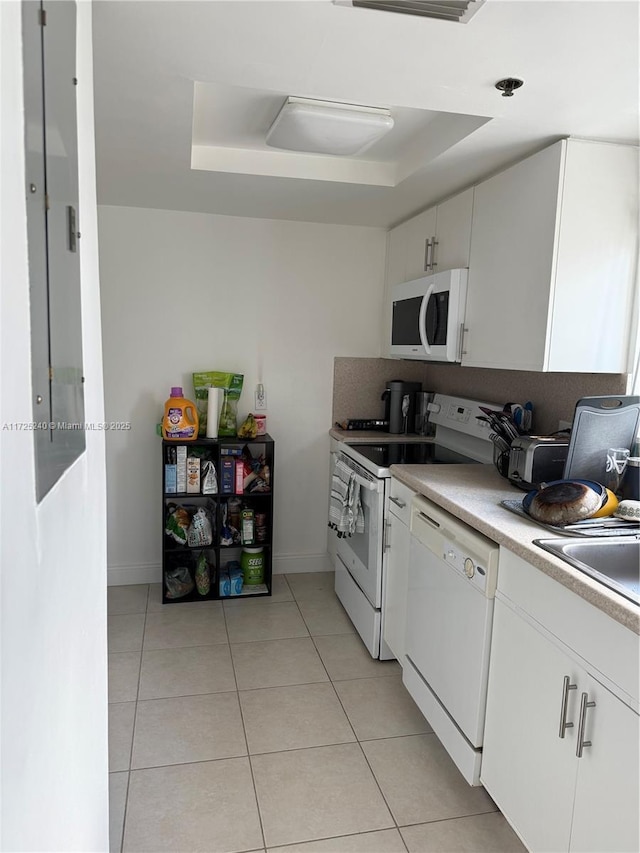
(264, 725)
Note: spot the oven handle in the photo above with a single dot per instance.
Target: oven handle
(376, 486)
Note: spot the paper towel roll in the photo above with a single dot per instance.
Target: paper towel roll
(213, 411)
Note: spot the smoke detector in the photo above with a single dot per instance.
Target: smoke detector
(458, 11)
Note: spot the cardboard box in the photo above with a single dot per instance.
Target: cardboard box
(193, 475)
(227, 475)
(181, 468)
(239, 477)
(170, 479)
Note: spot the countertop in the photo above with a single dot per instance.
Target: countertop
(473, 494)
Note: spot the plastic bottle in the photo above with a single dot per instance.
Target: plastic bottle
(180, 421)
(252, 562)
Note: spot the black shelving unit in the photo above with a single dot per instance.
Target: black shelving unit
(218, 506)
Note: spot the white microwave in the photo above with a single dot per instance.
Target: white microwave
(427, 317)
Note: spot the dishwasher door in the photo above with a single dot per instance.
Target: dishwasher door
(452, 575)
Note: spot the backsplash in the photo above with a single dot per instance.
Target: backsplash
(359, 382)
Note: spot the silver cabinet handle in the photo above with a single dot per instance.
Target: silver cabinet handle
(584, 704)
(386, 544)
(566, 687)
(461, 351)
(427, 247)
(397, 502)
(434, 243)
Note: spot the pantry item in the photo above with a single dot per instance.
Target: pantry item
(193, 474)
(178, 520)
(200, 532)
(249, 428)
(231, 386)
(180, 421)
(209, 478)
(252, 562)
(178, 582)
(236, 579)
(247, 530)
(214, 404)
(565, 501)
(261, 424)
(203, 578)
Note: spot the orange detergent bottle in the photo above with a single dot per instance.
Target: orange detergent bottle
(180, 421)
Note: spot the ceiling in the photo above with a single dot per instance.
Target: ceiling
(186, 91)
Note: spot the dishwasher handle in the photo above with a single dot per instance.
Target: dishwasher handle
(426, 530)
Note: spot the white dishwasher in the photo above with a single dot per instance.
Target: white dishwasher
(452, 581)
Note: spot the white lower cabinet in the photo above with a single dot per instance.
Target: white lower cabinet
(554, 799)
(528, 770)
(396, 568)
(605, 815)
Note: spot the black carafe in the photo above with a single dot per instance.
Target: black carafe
(398, 396)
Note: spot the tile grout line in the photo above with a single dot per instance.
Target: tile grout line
(244, 730)
(331, 682)
(133, 730)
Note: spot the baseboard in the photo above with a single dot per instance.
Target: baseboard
(289, 564)
(124, 575)
(282, 564)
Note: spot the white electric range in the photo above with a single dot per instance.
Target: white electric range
(360, 561)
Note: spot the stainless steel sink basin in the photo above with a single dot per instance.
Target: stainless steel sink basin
(614, 561)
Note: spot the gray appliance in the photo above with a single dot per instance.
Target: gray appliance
(424, 425)
(400, 405)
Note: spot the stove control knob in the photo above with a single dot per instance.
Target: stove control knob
(469, 568)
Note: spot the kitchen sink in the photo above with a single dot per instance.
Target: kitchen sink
(614, 561)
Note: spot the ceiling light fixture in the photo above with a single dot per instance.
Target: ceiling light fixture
(459, 11)
(327, 127)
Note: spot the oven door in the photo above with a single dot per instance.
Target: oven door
(361, 553)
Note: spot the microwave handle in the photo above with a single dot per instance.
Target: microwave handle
(422, 318)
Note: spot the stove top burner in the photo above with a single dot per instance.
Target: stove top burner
(409, 453)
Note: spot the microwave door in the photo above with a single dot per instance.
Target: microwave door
(428, 319)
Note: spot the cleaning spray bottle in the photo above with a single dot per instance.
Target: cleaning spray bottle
(180, 421)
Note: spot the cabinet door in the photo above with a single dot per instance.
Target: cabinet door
(606, 816)
(418, 230)
(526, 767)
(396, 585)
(396, 265)
(598, 246)
(513, 235)
(453, 232)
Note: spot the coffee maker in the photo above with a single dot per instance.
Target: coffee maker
(400, 405)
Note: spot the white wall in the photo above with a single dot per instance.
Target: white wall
(53, 645)
(271, 299)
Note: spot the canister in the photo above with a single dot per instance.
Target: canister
(261, 424)
(630, 488)
(252, 562)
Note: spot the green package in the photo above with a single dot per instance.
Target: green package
(231, 384)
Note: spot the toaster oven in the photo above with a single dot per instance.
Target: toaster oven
(536, 459)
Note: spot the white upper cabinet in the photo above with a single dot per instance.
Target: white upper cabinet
(553, 261)
(419, 231)
(453, 233)
(435, 240)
